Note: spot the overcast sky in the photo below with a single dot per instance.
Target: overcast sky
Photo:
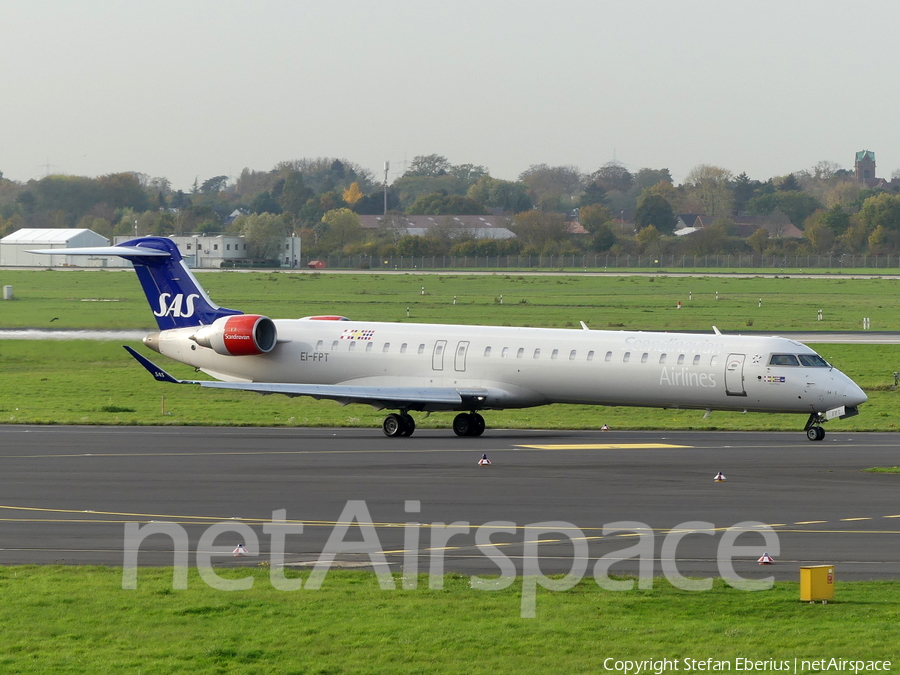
(196, 88)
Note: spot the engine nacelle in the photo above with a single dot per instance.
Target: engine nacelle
(241, 335)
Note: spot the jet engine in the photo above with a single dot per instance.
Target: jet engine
(241, 335)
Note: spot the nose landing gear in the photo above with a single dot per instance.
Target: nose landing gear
(813, 429)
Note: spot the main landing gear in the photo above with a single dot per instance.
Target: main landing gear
(468, 424)
(402, 424)
(814, 431)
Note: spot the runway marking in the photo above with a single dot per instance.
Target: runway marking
(849, 519)
(810, 522)
(604, 446)
(890, 516)
(588, 446)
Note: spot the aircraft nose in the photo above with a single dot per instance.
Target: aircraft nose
(853, 395)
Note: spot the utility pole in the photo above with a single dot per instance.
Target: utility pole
(387, 166)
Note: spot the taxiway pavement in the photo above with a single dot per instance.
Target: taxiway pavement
(66, 493)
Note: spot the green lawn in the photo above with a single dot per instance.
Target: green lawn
(113, 299)
(97, 383)
(79, 620)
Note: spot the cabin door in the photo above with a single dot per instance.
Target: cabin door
(734, 375)
(459, 361)
(437, 356)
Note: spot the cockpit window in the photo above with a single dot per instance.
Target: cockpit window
(783, 360)
(813, 361)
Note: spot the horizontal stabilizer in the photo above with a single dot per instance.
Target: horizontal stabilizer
(105, 250)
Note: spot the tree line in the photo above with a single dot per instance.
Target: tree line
(623, 212)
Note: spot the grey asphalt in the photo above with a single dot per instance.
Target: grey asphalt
(66, 492)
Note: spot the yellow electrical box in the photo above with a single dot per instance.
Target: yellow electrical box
(817, 583)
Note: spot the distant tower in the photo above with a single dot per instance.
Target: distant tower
(865, 167)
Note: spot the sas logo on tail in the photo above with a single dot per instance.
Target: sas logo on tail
(177, 307)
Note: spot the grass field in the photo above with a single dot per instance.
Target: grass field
(88, 382)
(113, 299)
(97, 382)
(79, 620)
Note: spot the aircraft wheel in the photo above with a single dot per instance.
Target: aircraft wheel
(393, 425)
(462, 425)
(815, 433)
(478, 424)
(409, 423)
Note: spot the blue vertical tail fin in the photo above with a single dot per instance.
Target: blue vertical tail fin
(174, 294)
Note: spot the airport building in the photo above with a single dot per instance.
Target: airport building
(14, 247)
(200, 251)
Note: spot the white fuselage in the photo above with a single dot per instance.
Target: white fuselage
(522, 367)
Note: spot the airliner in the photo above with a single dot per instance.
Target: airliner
(407, 367)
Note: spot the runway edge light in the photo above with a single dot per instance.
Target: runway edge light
(239, 551)
(766, 559)
(484, 461)
(719, 477)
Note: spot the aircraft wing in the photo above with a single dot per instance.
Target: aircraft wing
(378, 396)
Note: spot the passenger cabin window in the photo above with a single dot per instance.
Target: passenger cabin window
(697, 360)
(608, 357)
(627, 357)
(352, 346)
(368, 347)
(554, 353)
(572, 355)
(334, 346)
(537, 353)
(403, 348)
(487, 351)
(591, 355)
(662, 358)
(783, 360)
(714, 360)
(644, 357)
(422, 349)
(387, 347)
(520, 353)
(504, 353)
(680, 359)
(319, 346)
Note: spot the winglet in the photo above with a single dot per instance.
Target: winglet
(158, 373)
